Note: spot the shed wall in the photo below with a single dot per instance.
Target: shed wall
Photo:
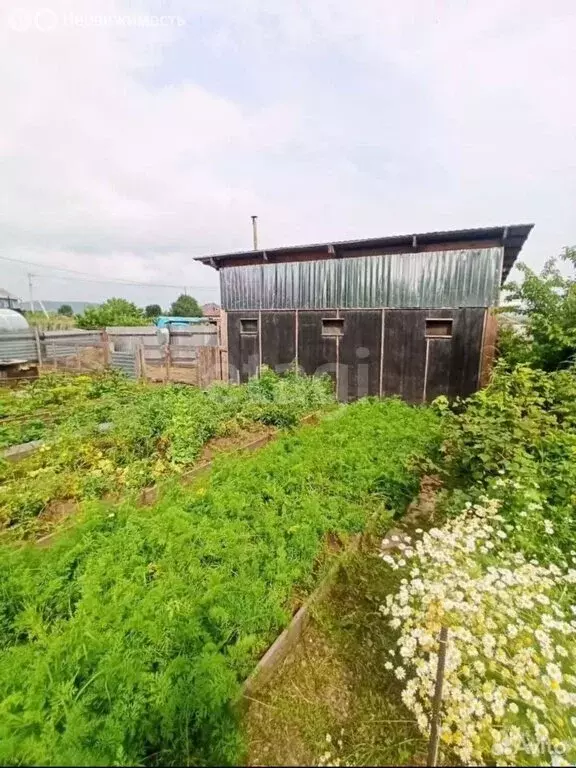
(436, 279)
(377, 351)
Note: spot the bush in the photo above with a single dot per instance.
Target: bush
(112, 312)
(516, 441)
(548, 304)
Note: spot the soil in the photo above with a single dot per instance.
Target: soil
(230, 443)
(178, 373)
(58, 511)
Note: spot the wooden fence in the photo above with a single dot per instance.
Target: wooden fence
(192, 356)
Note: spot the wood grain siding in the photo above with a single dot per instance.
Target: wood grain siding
(222, 325)
(439, 365)
(316, 353)
(488, 353)
(453, 362)
(378, 352)
(243, 359)
(404, 353)
(439, 356)
(278, 339)
(360, 353)
(466, 348)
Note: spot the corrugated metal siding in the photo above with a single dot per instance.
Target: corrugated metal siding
(20, 345)
(463, 278)
(66, 344)
(125, 361)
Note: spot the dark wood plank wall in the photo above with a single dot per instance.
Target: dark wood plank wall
(441, 354)
(278, 339)
(316, 353)
(466, 351)
(414, 366)
(243, 357)
(360, 345)
(404, 354)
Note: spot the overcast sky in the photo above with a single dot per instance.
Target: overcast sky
(127, 146)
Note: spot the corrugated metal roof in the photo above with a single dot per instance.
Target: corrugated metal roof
(511, 237)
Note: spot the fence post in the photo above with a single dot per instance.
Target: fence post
(38, 346)
(437, 700)
(167, 362)
(142, 361)
(105, 340)
(222, 327)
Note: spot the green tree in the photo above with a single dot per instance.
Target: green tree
(153, 310)
(112, 312)
(547, 306)
(66, 310)
(186, 306)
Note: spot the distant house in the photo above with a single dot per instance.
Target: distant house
(210, 310)
(8, 300)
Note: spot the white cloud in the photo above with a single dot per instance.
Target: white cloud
(126, 150)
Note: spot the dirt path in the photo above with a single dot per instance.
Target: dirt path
(332, 701)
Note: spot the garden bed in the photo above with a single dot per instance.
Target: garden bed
(152, 617)
(154, 432)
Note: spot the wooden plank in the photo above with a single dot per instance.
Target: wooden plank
(404, 353)
(208, 365)
(278, 340)
(439, 367)
(316, 353)
(243, 359)
(360, 349)
(291, 635)
(488, 352)
(222, 325)
(466, 351)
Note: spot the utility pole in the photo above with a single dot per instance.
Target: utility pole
(255, 231)
(30, 276)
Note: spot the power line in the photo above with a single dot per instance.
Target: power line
(87, 277)
(129, 282)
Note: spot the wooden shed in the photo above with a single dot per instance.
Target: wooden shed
(405, 315)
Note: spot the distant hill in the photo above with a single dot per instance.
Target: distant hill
(78, 307)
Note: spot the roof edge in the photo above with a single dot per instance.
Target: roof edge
(511, 237)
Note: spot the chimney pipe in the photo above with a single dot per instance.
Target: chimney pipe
(255, 231)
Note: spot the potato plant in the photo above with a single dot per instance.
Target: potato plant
(152, 431)
(31, 411)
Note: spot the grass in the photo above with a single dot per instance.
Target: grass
(334, 685)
